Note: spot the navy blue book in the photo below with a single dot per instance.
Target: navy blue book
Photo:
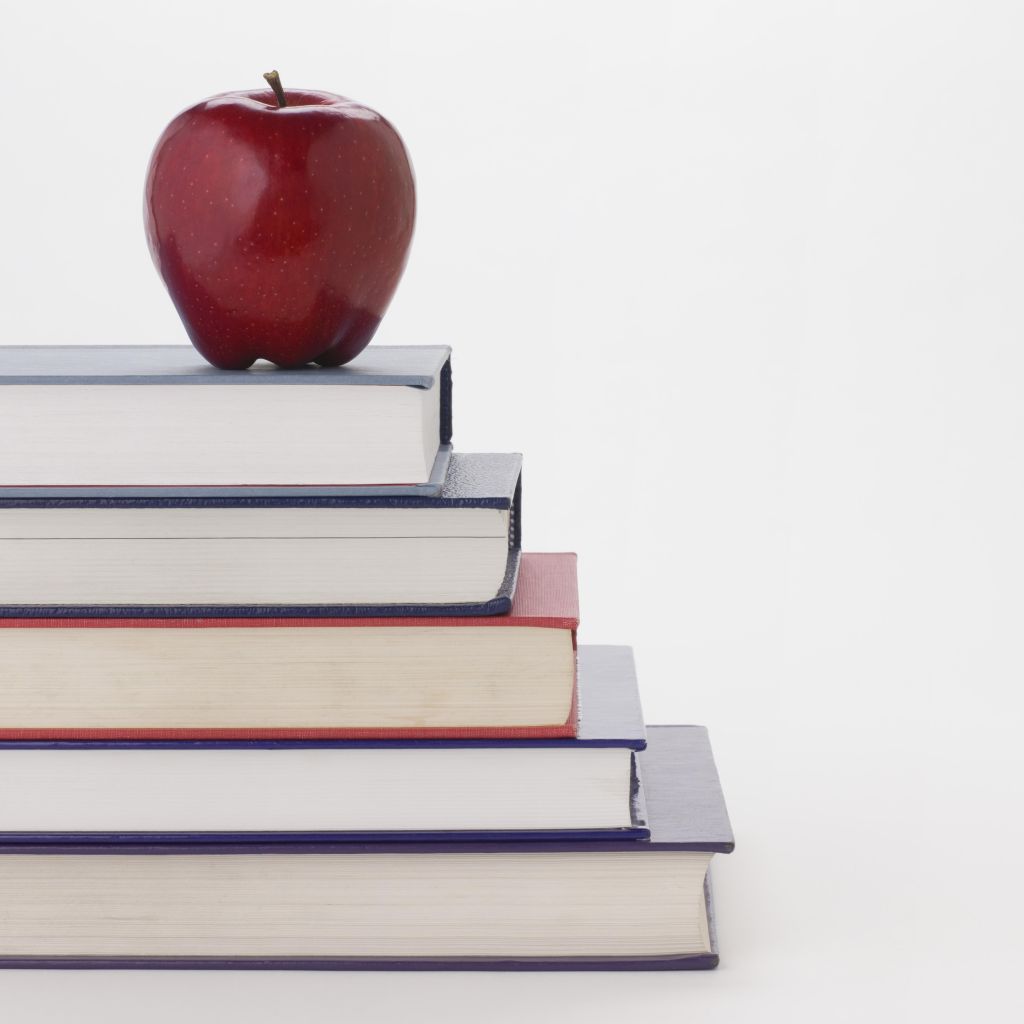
(454, 553)
(316, 790)
(157, 421)
(567, 904)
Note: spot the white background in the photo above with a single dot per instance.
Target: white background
(743, 282)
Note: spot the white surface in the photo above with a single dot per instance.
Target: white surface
(809, 217)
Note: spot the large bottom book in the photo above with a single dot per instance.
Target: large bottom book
(549, 905)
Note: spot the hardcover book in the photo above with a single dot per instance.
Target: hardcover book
(157, 421)
(401, 789)
(456, 553)
(564, 904)
(509, 676)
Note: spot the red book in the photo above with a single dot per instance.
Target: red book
(503, 676)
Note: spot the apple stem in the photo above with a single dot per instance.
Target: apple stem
(275, 83)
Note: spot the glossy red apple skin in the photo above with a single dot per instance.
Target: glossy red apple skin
(280, 232)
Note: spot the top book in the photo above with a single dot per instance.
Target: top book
(140, 420)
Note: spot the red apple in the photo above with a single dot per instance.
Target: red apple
(280, 223)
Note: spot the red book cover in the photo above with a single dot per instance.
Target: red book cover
(546, 596)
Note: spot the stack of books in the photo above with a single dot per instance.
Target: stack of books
(281, 689)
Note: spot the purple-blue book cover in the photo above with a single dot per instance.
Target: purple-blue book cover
(686, 810)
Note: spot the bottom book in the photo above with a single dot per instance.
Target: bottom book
(511, 905)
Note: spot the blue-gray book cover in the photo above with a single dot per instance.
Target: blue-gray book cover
(70, 406)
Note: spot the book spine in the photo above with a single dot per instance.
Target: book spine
(446, 402)
(515, 517)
